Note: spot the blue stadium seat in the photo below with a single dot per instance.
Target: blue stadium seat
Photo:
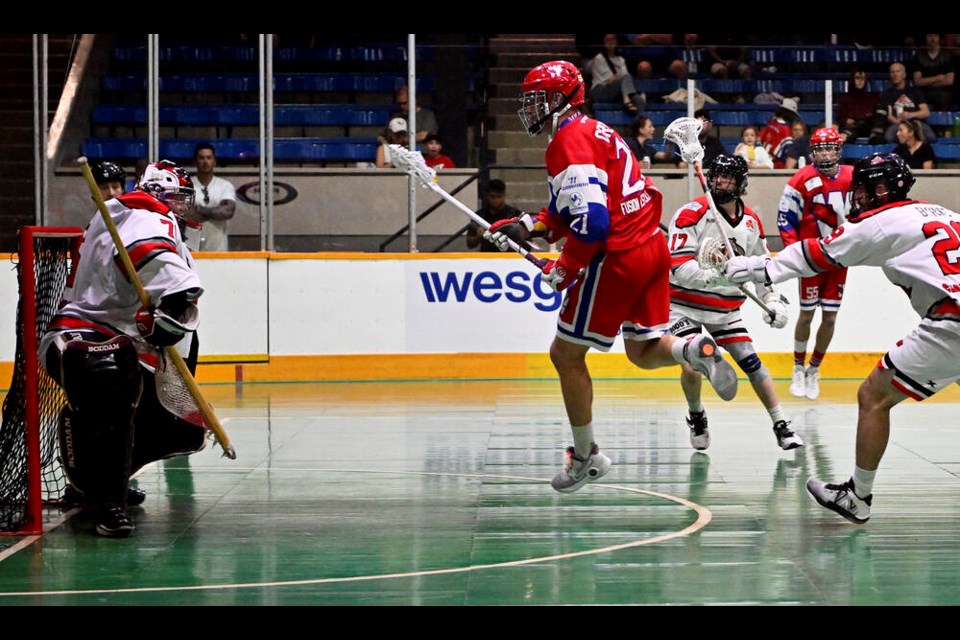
(855, 151)
(942, 118)
(118, 149)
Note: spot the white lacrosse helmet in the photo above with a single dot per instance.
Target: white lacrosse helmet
(169, 183)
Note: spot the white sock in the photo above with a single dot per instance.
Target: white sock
(776, 414)
(583, 440)
(863, 481)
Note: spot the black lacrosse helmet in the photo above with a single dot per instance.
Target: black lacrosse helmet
(880, 178)
(107, 172)
(733, 166)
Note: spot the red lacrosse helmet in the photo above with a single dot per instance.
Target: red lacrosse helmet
(825, 148)
(548, 89)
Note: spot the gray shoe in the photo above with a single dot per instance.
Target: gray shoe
(703, 354)
(577, 471)
(841, 499)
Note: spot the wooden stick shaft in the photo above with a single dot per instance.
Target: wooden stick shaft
(209, 417)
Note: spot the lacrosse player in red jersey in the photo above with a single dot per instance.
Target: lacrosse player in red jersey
(915, 244)
(701, 299)
(815, 201)
(614, 266)
(102, 347)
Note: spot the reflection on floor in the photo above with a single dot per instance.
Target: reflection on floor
(437, 493)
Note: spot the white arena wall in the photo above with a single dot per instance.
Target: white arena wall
(411, 316)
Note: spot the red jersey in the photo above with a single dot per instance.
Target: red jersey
(599, 199)
(776, 137)
(813, 205)
(439, 162)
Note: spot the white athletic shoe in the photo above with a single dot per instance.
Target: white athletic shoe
(699, 431)
(842, 499)
(577, 471)
(812, 382)
(786, 438)
(798, 387)
(703, 354)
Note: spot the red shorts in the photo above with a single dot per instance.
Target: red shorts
(823, 290)
(623, 291)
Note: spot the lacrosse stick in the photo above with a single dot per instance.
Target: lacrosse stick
(412, 162)
(199, 404)
(685, 133)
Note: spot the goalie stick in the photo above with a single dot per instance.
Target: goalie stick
(209, 417)
(685, 133)
(413, 164)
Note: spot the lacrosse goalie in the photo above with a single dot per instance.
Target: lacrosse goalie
(702, 299)
(103, 348)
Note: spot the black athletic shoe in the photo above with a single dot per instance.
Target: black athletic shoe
(113, 521)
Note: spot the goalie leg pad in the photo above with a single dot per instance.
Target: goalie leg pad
(102, 383)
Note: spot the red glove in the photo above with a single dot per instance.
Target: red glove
(558, 277)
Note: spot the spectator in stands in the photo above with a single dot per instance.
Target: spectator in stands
(426, 119)
(857, 106)
(933, 73)
(646, 66)
(727, 55)
(396, 134)
(897, 103)
(611, 82)
(639, 141)
(495, 208)
(433, 153)
(798, 129)
(712, 145)
(216, 201)
(913, 148)
(748, 149)
(777, 135)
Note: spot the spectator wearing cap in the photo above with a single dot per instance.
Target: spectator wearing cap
(777, 135)
(712, 146)
(396, 134)
(433, 153)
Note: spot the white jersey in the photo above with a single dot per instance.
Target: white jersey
(690, 291)
(917, 244)
(101, 296)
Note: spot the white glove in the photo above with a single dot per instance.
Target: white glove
(779, 318)
(742, 269)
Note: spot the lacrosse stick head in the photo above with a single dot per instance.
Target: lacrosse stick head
(413, 163)
(712, 255)
(174, 394)
(685, 133)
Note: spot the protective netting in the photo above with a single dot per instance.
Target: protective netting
(51, 262)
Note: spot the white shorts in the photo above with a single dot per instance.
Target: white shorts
(925, 361)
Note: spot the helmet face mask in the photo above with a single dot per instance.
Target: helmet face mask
(171, 184)
(879, 179)
(549, 89)
(826, 149)
(734, 168)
